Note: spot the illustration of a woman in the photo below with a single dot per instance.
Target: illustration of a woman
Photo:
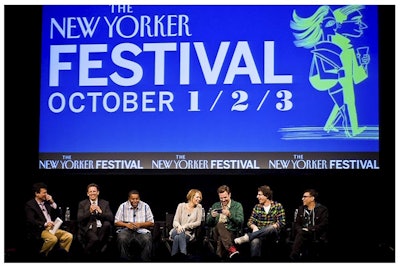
(315, 32)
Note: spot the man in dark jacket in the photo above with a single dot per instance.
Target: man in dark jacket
(40, 214)
(95, 219)
(311, 224)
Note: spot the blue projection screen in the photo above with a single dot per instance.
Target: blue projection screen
(209, 87)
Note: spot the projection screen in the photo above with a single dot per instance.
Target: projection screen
(209, 87)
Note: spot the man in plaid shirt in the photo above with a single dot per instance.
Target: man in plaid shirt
(266, 220)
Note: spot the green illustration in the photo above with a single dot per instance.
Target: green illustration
(336, 65)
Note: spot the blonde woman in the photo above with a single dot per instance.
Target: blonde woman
(187, 218)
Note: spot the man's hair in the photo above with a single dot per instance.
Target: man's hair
(37, 186)
(136, 192)
(223, 188)
(93, 185)
(266, 190)
(312, 192)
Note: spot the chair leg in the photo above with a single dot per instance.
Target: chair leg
(168, 246)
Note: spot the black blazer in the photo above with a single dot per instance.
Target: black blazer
(85, 217)
(35, 219)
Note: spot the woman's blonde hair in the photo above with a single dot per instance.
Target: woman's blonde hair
(192, 192)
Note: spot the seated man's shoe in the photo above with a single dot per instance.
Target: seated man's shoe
(232, 251)
(242, 239)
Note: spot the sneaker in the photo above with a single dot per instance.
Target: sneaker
(242, 239)
(232, 251)
(233, 254)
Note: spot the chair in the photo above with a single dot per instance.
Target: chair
(105, 250)
(315, 250)
(31, 246)
(169, 219)
(193, 245)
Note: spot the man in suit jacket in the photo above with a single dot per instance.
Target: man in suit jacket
(95, 219)
(40, 214)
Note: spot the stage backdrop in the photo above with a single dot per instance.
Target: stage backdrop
(209, 87)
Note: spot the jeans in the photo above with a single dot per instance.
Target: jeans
(256, 238)
(179, 243)
(129, 242)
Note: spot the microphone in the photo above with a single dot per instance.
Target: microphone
(296, 211)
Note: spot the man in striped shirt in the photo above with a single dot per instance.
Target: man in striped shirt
(133, 220)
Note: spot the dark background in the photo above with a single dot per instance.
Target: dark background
(361, 202)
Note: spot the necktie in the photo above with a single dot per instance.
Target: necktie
(94, 222)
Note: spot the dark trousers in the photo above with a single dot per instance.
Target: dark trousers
(224, 238)
(302, 239)
(97, 237)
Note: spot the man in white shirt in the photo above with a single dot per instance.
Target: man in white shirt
(133, 220)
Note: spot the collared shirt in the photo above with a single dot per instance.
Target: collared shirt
(126, 213)
(98, 222)
(259, 217)
(45, 212)
(222, 217)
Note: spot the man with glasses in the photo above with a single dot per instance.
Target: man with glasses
(311, 224)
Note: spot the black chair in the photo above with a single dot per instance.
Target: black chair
(169, 218)
(31, 247)
(314, 250)
(193, 247)
(106, 251)
(32, 242)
